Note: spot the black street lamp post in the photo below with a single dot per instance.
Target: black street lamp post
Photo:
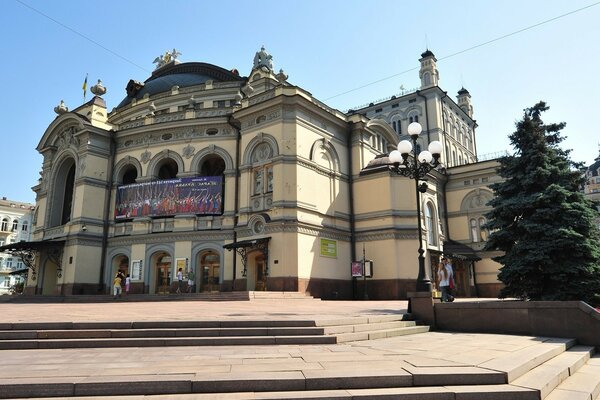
(417, 168)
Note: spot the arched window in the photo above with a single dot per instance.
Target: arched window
(474, 230)
(427, 78)
(68, 196)
(61, 186)
(397, 124)
(212, 166)
(262, 170)
(478, 231)
(24, 226)
(167, 169)
(483, 233)
(15, 225)
(5, 225)
(430, 223)
(130, 175)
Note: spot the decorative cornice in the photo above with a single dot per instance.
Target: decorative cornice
(153, 238)
(173, 135)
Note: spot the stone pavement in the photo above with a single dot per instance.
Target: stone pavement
(196, 310)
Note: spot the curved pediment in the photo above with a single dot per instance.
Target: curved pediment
(62, 131)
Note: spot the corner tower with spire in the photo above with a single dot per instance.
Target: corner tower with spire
(428, 73)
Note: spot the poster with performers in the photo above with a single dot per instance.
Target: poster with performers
(201, 195)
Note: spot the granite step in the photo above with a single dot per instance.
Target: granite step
(202, 333)
(550, 374)
(391, 383)
(380, 334)
(582, 384)
(476, 392)
(163, 342)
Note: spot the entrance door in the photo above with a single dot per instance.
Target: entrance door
(49, 282)
(210, 268)
(163, 278)
(261, 274)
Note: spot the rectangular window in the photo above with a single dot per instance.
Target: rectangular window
(395, 105)
(467, 183)
(475, 181)
(484, 180)
(269, 179)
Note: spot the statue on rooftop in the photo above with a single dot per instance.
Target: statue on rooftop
(263, 59)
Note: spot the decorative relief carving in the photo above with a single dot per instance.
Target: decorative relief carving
(262, 152)
(66, 138)
(269, 116)
(188, 151)
(81, 166)
(146, 156)
(263, 97)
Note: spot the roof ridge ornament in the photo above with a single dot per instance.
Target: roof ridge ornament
(263, 59)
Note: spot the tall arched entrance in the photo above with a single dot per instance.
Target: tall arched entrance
(161, 272)
(120, 263)
(210, 272)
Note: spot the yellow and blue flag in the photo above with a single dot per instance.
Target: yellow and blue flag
(84, 87)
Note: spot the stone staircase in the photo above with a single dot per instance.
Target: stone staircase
(370, 360)
(63, 335)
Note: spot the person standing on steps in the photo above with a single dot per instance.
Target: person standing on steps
(127, 284)
(191, 281)
(179, 281)
(445, 277)
(117, 285)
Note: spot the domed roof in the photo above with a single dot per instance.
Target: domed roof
(175, 74)
(463, 91)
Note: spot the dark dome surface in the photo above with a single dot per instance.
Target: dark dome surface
(427, 53)
(182, 75)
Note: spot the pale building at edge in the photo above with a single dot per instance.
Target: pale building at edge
(253, 184)
(15, 227)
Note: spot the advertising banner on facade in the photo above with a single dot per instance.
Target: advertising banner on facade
(201, 195)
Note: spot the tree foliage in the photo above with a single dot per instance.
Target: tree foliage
(541, 221)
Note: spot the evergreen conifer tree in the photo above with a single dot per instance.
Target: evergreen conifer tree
(540, 219)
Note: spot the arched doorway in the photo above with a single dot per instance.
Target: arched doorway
(210, 272)
(120, 263)
(162, 268)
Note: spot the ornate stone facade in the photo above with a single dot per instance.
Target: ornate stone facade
(299, 191)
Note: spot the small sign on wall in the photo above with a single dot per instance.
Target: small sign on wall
(136, 270)
(328, 248)
(357, 269)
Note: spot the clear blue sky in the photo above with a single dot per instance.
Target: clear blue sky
(326, 47)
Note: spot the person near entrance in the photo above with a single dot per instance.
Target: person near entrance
(117, 285)
(191, 281)
(445, 276)
(179, 281)
(127, 284)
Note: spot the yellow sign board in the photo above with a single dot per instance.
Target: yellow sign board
(328, 248)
